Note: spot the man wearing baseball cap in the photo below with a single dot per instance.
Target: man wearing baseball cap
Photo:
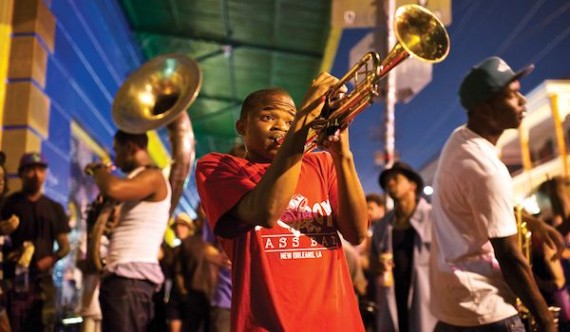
(42, 222)
(32, 159)
(477, 268)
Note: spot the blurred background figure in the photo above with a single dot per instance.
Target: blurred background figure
(400, 254)
(376, 205)
(359, 282)
(183, 227)
(196, 267)
(31, 255)
(221, 301)
(4, 224)
(552, 275)
(89, 307)
(161, 299)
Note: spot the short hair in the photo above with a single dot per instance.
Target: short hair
(254, 97)
(140, 140)
(376, 198)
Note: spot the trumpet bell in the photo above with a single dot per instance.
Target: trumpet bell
(156, 93)
(421, 33)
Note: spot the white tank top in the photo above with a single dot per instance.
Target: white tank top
(139, 234)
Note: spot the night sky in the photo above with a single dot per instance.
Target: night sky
(521, 32)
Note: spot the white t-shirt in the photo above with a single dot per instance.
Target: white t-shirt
(473, 202)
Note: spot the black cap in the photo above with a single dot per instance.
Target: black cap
(486, 79)
(407, 171)
(32, 159)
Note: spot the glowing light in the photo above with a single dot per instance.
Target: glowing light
(428, 190)
(72, 320)
(530, 204)
(146, 98)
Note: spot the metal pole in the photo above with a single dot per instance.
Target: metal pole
(389, 146)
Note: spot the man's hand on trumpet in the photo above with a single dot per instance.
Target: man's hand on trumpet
(315, 98)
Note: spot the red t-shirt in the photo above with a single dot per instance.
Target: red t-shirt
(294, 276)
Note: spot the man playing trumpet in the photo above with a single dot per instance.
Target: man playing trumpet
(279, 214)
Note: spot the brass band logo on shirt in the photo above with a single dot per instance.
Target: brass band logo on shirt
(303, 232)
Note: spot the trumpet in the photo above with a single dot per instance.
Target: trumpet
(419, 34)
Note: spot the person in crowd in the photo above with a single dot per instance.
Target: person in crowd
(183, 227)
(359, 282)
(4, 224)
(162, 298)
(30, 257)
(477, 268)
(221, 302)
(551, 275)
(376, 205)
(196, 270)
(400, 252)
(280, 213)
(376, 210)
(89, 307)
(132, 273)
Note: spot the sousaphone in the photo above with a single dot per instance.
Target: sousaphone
(157, 94)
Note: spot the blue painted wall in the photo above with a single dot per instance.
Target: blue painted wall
(94, 52)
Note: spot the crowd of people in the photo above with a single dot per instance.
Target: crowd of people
(285, 240)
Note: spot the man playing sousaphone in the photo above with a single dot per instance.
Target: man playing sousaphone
(132, 262)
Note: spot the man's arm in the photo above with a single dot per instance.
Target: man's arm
(352, 217)
(548, 234)
(62, 249)
(518, 275)
(62, 246)
(148, 185)
(267, 202)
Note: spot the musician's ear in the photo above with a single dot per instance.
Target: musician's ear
(240, 126)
